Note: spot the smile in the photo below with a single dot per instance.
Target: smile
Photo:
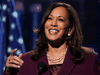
(53, 31)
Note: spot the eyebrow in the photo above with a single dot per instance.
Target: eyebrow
(58, 16)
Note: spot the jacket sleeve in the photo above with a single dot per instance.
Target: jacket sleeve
(13, 72)
(96, 65)
(4, 73)
(19, 71)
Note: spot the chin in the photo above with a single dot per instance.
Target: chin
(53, 39)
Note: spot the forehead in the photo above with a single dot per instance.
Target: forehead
(59, 11)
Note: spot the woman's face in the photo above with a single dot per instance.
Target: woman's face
(56, 23)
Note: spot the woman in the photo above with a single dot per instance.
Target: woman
(59, 46)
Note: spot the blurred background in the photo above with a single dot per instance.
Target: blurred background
(18, 17)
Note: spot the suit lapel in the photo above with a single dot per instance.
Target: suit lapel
(67, 66)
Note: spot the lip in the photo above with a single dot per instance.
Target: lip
(53, 29)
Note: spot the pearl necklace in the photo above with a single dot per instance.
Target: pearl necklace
(58, 59)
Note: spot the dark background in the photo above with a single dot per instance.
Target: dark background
(88, 12)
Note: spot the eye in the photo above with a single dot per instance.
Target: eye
(49, 18)
(61, 20)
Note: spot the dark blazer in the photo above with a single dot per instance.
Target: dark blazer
(90, 66)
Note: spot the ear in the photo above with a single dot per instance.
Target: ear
(70, 31)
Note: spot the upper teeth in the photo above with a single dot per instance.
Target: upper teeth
(54, 31)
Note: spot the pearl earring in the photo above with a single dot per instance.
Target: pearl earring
(69, 34)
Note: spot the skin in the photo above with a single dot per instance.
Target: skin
(57, 20)
(15, 61)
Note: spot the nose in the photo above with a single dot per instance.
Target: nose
(54, 23)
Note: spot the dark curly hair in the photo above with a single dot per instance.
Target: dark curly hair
(74, 41)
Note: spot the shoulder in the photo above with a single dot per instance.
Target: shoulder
(91, 60)
(90, 54)
(88, 49)
(27, 55)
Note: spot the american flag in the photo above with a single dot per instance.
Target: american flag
(10, 32)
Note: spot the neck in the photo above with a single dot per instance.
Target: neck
(56, 55)
(56, 51)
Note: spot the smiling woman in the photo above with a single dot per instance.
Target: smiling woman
(56, 23)
(59, 46)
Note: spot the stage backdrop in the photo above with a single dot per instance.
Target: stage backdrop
(19, 17)
(10, 31)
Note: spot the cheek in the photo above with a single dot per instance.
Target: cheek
(47, 23)
(46, 26)
(46, 29)
(63, 27)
